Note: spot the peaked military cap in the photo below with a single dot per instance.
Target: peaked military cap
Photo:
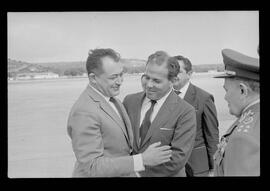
(239, 65)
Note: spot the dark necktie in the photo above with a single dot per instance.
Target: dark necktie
(146, 121)
(177, 92)
(113, 100)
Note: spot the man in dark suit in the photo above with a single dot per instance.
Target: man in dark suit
(99, 127)
(158, 114)
(200, 162)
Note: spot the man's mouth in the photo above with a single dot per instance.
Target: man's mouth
(116, 88)
(151, 91)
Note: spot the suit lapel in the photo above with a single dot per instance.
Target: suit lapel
(137, 117)
(110, 112)
(189, 97)
(107, 109)
(127, 123)
(255, 108)
(162, 116)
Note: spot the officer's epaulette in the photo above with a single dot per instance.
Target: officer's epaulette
(245, 121)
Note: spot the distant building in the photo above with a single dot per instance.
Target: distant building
(212, 71)
(84, 74)
(40, 75)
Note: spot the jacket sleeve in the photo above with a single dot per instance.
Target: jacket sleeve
(183, 140)
(88, 148)
(242, 156)
(210, 128)
(181, 145)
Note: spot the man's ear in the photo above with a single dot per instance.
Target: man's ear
(175, 79)
(190, 73)
(92, 78)
(244, 89)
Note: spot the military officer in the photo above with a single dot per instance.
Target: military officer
(238, 152)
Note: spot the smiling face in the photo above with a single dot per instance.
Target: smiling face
(155, 81)
(109, 82)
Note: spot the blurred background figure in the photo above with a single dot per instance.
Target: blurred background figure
(201, 161)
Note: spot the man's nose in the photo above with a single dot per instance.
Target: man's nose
(119, 80)
(225, 97)
(149, 84)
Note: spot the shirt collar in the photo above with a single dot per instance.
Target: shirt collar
(252, 103)
(160, 101)
(183, 90)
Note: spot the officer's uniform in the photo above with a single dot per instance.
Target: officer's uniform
(238, 152)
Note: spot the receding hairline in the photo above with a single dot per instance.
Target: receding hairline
(94, 63)
(100, 69)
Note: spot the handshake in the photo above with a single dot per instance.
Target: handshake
(155, 154)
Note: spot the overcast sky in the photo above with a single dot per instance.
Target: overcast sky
(67, 36)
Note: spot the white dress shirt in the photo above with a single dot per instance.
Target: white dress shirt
(107, 100)
(184, 90)
(147, 104)
(137, 159)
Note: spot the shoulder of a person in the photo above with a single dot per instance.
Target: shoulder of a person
(246, 133)
(248, 126)
(184, 105)
(85, 107)
(132, 96)
(243, 142)
(83, 101)
(201, 92)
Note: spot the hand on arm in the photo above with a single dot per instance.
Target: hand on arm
(155, 154)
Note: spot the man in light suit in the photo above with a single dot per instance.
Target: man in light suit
(158, 114)
(201, 161)
(99, 127)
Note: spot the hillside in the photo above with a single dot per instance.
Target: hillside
(66, 68)
(16, 67)
(78, 68)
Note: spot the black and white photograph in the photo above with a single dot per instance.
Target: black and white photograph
(133, 94)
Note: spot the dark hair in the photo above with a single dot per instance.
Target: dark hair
(94, 64)
(186, 61)
(161, 57)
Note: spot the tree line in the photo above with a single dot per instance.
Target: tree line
(131, 66)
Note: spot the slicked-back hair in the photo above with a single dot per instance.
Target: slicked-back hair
(94, 62)
(186, 61)
(161, 57)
